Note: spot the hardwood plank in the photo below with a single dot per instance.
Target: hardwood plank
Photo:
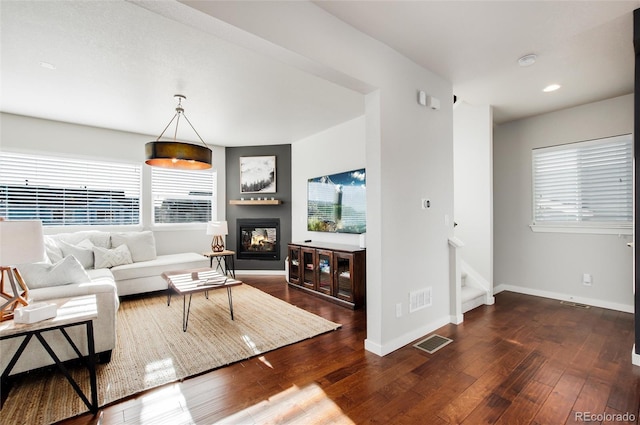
(525, 405)
(557, 407)
(593, 397)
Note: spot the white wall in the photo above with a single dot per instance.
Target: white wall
(409, 156)
(552, 264)
(32, 135)
(340, 148)
(473, 185)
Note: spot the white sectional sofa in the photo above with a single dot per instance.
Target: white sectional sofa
(93, 262)
(141, 275)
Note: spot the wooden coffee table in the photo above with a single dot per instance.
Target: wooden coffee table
(189, 282)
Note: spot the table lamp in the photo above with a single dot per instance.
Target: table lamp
(21, 241)
(217, 229)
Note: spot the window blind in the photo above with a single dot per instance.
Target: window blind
(584, 184)
(183, 196)
(63, 191)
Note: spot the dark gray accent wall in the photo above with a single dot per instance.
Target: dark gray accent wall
(282, 211)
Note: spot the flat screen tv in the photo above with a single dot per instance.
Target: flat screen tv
(337, 203)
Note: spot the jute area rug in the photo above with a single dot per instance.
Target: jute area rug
(153, 350)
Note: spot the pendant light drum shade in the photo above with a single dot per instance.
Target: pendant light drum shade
(168, 154)
(175, 154)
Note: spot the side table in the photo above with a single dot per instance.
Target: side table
(227, 256)
(76, 311)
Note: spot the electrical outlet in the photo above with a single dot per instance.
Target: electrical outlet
(398, 309)
(425, 204)
(586, 279)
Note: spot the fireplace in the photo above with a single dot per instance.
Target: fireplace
(258, 239)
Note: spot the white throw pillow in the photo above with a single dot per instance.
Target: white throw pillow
(141, 244)
(42, 275)
(54, 253)
(83, 251)
(107, 258)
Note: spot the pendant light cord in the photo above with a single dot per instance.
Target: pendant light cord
(180, 112)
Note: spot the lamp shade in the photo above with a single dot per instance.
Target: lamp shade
(174, 154)
(217, 228)
(21, 241)
(185, 156)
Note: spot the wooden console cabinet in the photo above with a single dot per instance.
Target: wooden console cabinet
(334, 271)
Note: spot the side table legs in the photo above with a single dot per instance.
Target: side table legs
(89, 362)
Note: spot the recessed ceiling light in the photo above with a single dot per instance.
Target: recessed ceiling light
(47, 65)
(527, 60)
(551, 87)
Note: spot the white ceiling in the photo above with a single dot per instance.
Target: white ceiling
(585, 46)
(118, 65)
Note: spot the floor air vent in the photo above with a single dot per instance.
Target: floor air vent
(433, 343)
(572, 304)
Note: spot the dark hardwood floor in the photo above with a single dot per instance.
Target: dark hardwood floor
(524, 360)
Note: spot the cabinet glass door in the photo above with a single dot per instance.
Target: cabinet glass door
(343, 264)
(308, 267)
(325, 270)
(294, 264)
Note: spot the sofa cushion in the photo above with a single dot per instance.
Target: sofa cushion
(64, 272)
(76, 290)
(161, 264)
(141, 244)
(107, 258)
(83, 251)
(97, 237)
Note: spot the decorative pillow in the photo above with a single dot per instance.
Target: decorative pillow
(41, 275)
(83, 251)
(54, 253)
(141, 244)
(107, 258)
(97, 237)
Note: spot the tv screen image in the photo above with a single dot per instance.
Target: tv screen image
(337, 202)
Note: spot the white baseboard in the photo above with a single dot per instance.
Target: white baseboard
(635, 358)
(260, 272)
(457, 319)
(373, 347)
(401, 341)
(564, 297)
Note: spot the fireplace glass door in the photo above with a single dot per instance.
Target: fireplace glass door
(258, 239)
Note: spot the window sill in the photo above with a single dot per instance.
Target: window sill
(172, 227)
(547, 228)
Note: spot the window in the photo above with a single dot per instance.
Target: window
(182, 196)
(64, 192)
(585, 185)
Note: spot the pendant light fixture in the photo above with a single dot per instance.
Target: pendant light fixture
(174, 154)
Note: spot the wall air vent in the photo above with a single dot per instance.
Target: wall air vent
(419, 299)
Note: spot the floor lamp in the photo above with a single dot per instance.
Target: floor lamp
(21, 241)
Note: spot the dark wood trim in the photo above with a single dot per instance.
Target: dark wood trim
(324, 296)
(636, 156)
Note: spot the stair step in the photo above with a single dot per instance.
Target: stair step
(469, 292)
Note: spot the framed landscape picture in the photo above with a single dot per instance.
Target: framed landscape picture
(257, 174)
